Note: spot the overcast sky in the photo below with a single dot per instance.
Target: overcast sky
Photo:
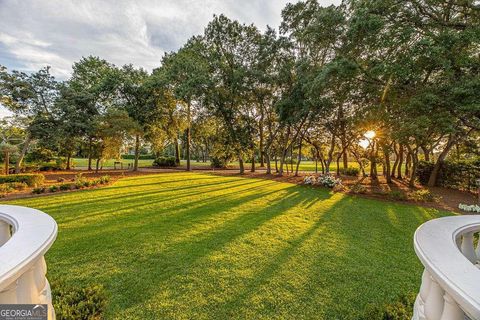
(36, 33)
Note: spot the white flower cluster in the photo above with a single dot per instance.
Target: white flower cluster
(469, 208)
(325, 180)
(309, 180)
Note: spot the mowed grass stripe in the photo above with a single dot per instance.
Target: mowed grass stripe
(193, 245)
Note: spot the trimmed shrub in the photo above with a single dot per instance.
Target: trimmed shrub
(402, 309)
(18, 185)
(53, 188)
(65, 186)
(350, 171)
(165, 162)
(74, 303)
(32, 180)
(104, 179)
(218, 163)
(38, 190)
(5, 188)
(141, 157)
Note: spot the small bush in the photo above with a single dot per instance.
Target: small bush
(422, 195)
(351, 171)
(402, 309)
(74, 303)
(218, 163)
(53, 188)
(32, 180)
(358, 189)
(65, 186)
(5, 188)
(18, 185)
(38, 190)
(328, 181)
(165, 162)
(104, 179)
(59, 164)
(397, 195)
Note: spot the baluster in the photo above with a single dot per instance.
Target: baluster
(4, 232)
(39, 273)
(425, 286)
(477, 250)
(27, 291)
(434, 302)
(9, 294)
(467, 247)
(451, 310)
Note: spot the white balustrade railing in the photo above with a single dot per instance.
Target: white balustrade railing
(25, 236)
(450, 287)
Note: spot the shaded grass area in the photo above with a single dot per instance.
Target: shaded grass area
(190, 245)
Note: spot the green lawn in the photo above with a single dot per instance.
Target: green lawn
(198, 246)
(308, 166)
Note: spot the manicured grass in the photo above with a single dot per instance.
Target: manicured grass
(198, 246)
(82, 162)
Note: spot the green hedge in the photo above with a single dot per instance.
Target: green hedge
(453, 174)
(141, 157)
(32, 180)
(165, 162)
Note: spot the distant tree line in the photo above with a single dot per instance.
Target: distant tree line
(407, 70)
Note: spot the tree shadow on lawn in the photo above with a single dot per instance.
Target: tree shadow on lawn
(86, 203)
(173, 264)
(91, 235)
(300, 253)
(135, 200)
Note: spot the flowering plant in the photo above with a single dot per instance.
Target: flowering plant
(309, 180)
(469, 208)
(328, 181)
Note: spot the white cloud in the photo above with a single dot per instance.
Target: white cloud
(58, 32)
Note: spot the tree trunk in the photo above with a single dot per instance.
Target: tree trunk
(400, 161)
(260, 127)
(426, 153)
(411, 183)
(432, 180)
(386, 153)
(299, 158)
(7, 162)
(373, 163)
(137, 152)
(394, 168)
(90, 154)
(26, 144)
(240, 162)
(97, 165)
(177, 152)
(188, 138)
(69, 159)
(408, 163)
(345, 159)
(267, 160)
(252, 169)
(276, 163)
